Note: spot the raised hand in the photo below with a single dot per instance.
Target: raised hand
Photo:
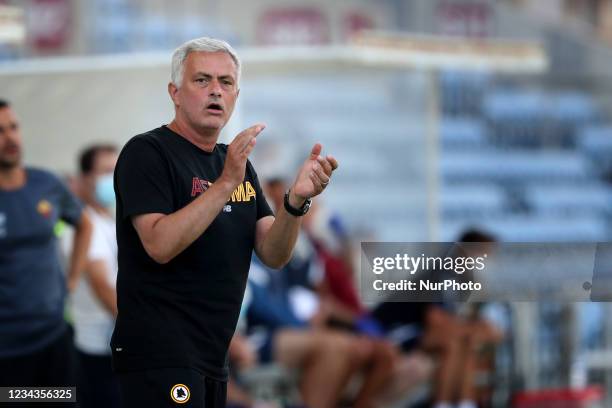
(314, 175)
(238, 152)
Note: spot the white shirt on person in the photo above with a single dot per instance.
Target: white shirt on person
(93, 323)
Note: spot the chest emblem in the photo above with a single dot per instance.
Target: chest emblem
(243, 193)
(44, 208)
(198, 186)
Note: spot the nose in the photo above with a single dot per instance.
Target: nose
(8, 133)
(12, 134)
(215, 89)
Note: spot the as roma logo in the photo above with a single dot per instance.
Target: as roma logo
(44, 208)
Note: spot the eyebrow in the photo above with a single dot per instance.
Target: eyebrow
(206, 75)
(9, 125)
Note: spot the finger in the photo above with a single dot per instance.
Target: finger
(256, 129)
(332, 160)
(316, 151)
(240, 142)
(318, 186)
(249, 143)
(327, 167)
(243, 138)
(249, 147)
(251, 130)
(320, 173)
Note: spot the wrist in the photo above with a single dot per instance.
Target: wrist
(295, 200)
(298, 207)
(227, 185)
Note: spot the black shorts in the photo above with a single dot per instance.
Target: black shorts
(171, 387)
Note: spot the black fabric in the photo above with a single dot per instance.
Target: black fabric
(53, 366)
(153, 388)
(98, 386)
(394, 314)
(404, 321)
(183, 313)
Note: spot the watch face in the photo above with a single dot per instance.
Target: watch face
(307, 205)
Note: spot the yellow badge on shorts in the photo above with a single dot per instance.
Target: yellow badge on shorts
(180, 393)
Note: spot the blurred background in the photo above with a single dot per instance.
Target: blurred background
(444, 115)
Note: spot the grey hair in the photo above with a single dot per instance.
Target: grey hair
(204, 44)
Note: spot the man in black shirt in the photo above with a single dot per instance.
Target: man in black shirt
(190, 212)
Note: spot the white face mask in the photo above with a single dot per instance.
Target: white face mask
(105, 192)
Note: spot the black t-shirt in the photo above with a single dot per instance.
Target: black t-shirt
(182, 313)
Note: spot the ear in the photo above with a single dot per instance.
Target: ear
(173, 91)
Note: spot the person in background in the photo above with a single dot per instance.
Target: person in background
(94, 303)
(326, 359)
(450, 330)
(389, 375)
(242, 356)
(36, 346)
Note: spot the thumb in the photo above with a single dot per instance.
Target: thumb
(316, 151)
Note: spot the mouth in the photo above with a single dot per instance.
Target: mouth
(214, 108)
(11, 149)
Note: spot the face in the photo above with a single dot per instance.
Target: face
(103, 165)
(208, 92)
(10, 139)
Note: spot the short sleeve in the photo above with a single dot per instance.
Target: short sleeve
(142, 179)
(71, 208)
(263, 208)
(98, 248)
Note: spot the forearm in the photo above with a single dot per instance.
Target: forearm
(108, 297)
(277, 246)
(173, 233)
(97, 272)
(78, 258)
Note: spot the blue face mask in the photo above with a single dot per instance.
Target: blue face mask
(105, 193)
